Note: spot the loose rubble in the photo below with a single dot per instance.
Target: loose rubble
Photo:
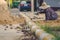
(28, 35)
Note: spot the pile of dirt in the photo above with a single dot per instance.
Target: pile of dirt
(50, 23)
(5, 15)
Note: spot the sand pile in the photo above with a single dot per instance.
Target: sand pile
(5, 15)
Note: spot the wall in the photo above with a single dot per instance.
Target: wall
(53, 3)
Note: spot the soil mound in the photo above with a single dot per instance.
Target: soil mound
(5, 15)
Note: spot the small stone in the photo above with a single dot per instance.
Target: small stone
(6, 26)
(10, 24)
(5, 29)
(11, 27)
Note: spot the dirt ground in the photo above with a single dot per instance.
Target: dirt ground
(52, 23)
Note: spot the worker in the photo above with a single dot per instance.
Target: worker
(49, 12)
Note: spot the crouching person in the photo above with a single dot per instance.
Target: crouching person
(49, 12)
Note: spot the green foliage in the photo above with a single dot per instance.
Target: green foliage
(51, 30)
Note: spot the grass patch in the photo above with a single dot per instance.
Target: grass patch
(51, 30)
